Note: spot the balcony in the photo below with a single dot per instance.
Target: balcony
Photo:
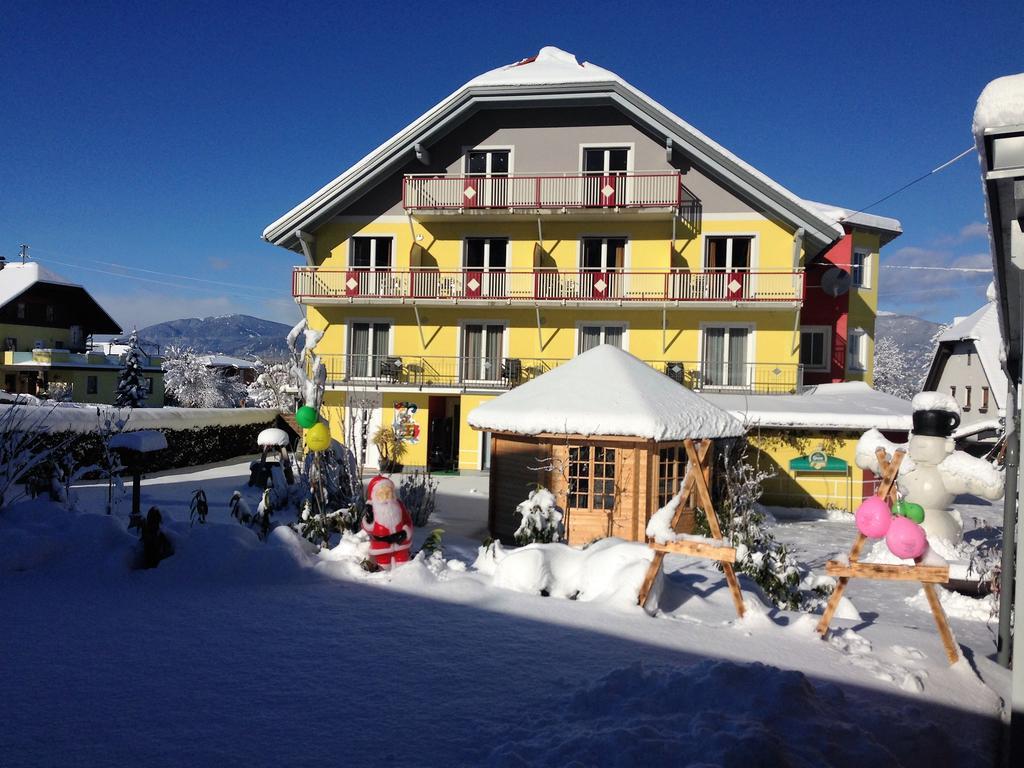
(548, 192)
(480, 373)
(546, 287)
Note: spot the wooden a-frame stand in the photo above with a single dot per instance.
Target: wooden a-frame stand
(696, 485)
(928, 575)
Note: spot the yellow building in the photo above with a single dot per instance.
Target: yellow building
(546, 207)
(47, 323)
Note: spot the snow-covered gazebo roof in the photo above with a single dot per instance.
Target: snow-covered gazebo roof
(605, 391)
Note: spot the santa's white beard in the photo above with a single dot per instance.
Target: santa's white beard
(387, 513)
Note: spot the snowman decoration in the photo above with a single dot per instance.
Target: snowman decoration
(933, 473)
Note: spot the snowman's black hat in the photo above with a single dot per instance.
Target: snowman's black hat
(935, 423)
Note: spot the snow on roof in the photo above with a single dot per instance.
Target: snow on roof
(849, 405)
(217, 360)
(1001, 104)
(841, 215)
(550, 67)
(605, 391)
(982, 327)
(16, 278)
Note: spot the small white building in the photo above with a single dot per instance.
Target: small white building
(966, 367)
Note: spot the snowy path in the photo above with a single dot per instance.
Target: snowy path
(254, 661)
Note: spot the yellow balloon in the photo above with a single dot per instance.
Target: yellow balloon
(318, 437)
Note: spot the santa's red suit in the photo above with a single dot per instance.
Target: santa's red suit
(387, 522)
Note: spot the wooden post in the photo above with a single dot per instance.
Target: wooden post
(696, 484)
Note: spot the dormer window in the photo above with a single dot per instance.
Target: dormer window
(21, 310)
(49, 313)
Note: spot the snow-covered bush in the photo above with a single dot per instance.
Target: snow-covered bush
(892, 369)
(542, 519)
(418, 491)
(189, 382)
(745, 526)
(131, 384)
(270, 388)
(60, 391)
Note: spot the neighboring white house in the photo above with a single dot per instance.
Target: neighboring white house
(967, 367)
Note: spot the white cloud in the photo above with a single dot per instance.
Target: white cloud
(974, 229)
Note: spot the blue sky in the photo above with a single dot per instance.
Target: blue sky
(165, 137)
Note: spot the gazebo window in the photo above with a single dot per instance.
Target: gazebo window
(591, 477)
(671, 471)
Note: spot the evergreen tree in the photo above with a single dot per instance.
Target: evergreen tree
(131, 385)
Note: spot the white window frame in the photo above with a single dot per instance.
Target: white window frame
(467, 148)
(352, 321)
(602, 324)
(755, 250)
(487, 251)
(861, 337)
(460, 337)
(627, 256)
(826, 348)
(865, 267)
(751, 329)
(373, 252)
(629, 146)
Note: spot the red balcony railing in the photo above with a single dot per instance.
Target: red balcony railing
(311, 284)
(486, 373)
(551, 191)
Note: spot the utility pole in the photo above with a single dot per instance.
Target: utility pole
(24, 253)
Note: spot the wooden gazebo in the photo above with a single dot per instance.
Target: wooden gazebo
(605, 434)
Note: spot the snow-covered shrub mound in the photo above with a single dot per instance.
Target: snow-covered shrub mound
(609, 571)
(724, 713)
(42, 535)
(959, 606)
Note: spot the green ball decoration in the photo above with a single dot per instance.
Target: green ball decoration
(913, 511)
(306, 416)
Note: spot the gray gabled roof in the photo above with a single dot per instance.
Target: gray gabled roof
(552, 77)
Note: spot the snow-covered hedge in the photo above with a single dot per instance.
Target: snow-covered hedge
(194, 436)
(76, 417)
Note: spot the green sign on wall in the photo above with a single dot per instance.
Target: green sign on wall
(818, 461)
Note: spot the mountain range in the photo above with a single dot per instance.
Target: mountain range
(235, 335)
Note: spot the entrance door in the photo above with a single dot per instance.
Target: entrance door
(443, 433)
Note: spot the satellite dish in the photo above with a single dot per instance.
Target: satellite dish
(836, 281)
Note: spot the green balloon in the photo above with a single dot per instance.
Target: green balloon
(913, 511)
(306, 417)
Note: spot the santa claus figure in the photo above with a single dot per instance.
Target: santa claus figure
(387, 522)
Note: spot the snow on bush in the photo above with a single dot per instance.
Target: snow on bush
(542, 519)
(609, 571)
(270, 388)
(191, 383)
(892, 370)
(785, 582)
(131, 384)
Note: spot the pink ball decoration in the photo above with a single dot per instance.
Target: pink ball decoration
(873, 517)
(906, 538)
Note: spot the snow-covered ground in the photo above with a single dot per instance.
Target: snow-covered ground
(235, 651)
